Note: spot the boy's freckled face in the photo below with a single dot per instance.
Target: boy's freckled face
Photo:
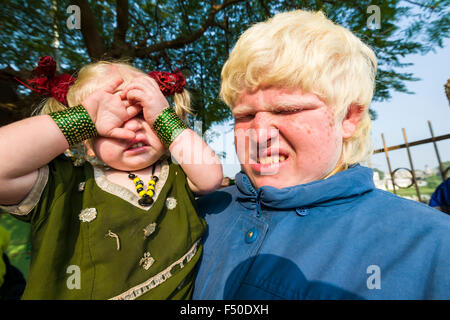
(285, 138)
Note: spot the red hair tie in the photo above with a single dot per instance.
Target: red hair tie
(169, 83)
(46, 83)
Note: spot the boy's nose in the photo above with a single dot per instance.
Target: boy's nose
(261, 120)
(263, 128)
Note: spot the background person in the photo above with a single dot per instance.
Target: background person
(440, 199)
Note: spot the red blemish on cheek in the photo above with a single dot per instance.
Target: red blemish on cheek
(330, 118)
(304, 128)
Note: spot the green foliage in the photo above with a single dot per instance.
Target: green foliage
(380, 173)
(445, 164)
(196, 36)
(19, 248)
(433, 181)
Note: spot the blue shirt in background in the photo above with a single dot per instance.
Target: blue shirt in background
(441, 196)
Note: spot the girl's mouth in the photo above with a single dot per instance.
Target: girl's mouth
(137, 146)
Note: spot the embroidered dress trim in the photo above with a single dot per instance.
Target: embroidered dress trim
(32, 199)
(126, 194)
(159, 278)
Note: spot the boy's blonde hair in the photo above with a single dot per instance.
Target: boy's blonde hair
(95, 75)
(305, 50)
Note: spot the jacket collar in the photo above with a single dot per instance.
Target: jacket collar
(340, 187)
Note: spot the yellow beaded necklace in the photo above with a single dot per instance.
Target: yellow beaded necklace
(146, 196)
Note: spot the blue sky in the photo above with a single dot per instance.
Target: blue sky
(412, 112)
(402, 111)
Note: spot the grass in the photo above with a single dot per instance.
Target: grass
(425, 192)
(19, 247)
(411, 191)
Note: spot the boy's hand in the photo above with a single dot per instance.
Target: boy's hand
(108, 111)
(144, 91)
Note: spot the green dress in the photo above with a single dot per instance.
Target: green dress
(92, 240)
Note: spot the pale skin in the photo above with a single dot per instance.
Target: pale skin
(288, 137)
(29, 144)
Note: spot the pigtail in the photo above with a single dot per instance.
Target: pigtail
(182, 104)
(173, 84)
(48, 106)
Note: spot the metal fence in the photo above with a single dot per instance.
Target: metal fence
(443, 171)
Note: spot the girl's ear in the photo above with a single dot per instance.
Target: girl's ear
(351, 120)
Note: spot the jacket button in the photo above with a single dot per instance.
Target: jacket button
(251, 235)
(301, 212)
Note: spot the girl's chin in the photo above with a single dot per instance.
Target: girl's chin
(132, 166)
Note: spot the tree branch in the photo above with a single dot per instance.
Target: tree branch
(420, 4)
(184, 14)
(265, 7)
(120, 47)
(136, 18)
(184, 40)
(94, 43)
(122, 20)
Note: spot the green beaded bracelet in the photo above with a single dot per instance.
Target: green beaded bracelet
(75, 123)
(168, 126)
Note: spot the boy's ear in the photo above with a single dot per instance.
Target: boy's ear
(351, 120)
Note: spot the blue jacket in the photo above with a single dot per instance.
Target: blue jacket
(339, 238)
(441, 196)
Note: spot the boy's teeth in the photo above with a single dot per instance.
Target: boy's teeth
(272, 159)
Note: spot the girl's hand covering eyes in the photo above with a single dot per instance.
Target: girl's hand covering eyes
(108, 111)
(145, 92)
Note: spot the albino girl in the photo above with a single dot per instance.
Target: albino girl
(125, 225)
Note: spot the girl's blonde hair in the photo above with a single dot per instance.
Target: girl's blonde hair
(305, 50)
(94, 76)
